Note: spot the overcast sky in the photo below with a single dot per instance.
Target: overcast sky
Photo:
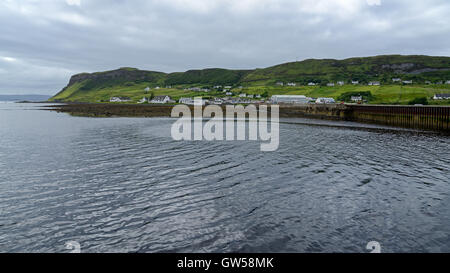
(44, 42)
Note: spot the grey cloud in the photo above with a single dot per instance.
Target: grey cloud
(50, 40)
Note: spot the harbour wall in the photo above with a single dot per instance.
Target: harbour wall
(436, 118)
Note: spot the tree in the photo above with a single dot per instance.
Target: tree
(422, 100)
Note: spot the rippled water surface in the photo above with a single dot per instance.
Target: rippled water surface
(123, 185)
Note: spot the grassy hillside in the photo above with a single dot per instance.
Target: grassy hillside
(379, 68)
(131, 82)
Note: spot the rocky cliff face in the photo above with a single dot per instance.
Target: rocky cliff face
(124, 74)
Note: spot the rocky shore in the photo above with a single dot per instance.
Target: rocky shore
(112, 110)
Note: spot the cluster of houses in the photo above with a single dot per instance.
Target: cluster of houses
(197, 89)
(242, 99)
(371, 83)
(287, 84)
(220, 101)
(299, 99)
(331, 84)
(157, 99)
(398, 80)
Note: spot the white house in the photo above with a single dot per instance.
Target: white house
(396, 80)
(216, 101)
(119, 99)
(325, 101)
(143, 100)
(161, 99)
(147, 89)
(311, 84)
(355, 82)
(341, 83)
(447, 82)
(291, 84)
(280, 83)
(188, 101)
(289, 99)
(374, 83)
(191, 101)
(441, 97)
(330, 84)
(250, 96)
(356, 98)
(229, 93)
(258, 96)
(407, 82)
(242, 95)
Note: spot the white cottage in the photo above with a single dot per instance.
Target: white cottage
(160, 99)
(119, 99)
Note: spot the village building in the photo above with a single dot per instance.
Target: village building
(291, 84)
(441, 97)
(396, 80)
(341, 83)
(407, 82)
(330, 84)
(197, 89)
(355, 82)
(325, 101)
(161, 99)
(356, 98)
(188, 101)
(291, 99)
(311, 84)
(242, 95)
(374, 83)
(216, 101)
(119, 99)
(191, 101)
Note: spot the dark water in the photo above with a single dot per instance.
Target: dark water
(123, 185)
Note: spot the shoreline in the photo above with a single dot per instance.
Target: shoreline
(429, 118)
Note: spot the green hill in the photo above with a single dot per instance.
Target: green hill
(131, 82)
